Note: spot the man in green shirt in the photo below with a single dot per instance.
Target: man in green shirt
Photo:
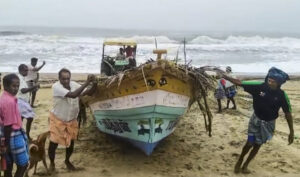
(268, 98)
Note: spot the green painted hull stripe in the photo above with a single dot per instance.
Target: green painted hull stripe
(160, 110)
(140, 116)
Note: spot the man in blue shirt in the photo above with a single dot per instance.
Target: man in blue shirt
(268, 98)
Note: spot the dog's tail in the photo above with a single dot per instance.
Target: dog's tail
(42, 137)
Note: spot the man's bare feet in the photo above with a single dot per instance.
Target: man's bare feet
(69, 165)
(237, 167)
(245, 170)
(52, 167)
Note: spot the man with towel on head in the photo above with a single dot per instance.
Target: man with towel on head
(63, 123)
(225, 88)
(268, 98)
(230, 89)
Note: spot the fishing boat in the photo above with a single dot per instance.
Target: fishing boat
(140, 104)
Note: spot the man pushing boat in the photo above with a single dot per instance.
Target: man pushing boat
(268, 98)
(63, 123)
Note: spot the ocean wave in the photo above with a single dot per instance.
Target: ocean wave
(254, 44)
(242, 40)
(147, 39)
(48, 45)
(84, 53)
(11, 33)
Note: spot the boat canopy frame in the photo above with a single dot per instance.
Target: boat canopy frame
(131, 43)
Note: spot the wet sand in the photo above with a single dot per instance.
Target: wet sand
(189, 151)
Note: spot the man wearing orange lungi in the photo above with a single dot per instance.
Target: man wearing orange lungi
(63, 116)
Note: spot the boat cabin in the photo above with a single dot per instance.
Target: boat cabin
(117, 56)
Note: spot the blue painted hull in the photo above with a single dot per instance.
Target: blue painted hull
(147, 148)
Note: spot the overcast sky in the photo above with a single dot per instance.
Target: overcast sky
(218, 15)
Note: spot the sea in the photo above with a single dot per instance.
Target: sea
(80, 49)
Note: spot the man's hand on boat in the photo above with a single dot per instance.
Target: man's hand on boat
(91, 78)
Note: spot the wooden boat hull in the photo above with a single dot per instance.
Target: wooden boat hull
(139, 113)
(144, 118)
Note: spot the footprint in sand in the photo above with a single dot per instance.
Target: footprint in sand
(284, 170)
(105, 172)
(188, 166)
(235, 155)
(232, 129)
(235, 144)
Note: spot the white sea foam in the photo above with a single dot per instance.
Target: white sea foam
(246, 40)
(250, 44)
(148, 39)
(83, 54)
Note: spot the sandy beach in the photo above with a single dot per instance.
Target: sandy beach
(174, 46)
(189, 151)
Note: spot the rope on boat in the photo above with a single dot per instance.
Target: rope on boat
(203, 113)
(203, 83)
(145, 78)
(121, 76)
(207, 110)
(82, 116)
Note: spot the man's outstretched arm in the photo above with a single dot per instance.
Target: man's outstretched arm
(233, 80)
(40, 67)
(78, 91)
